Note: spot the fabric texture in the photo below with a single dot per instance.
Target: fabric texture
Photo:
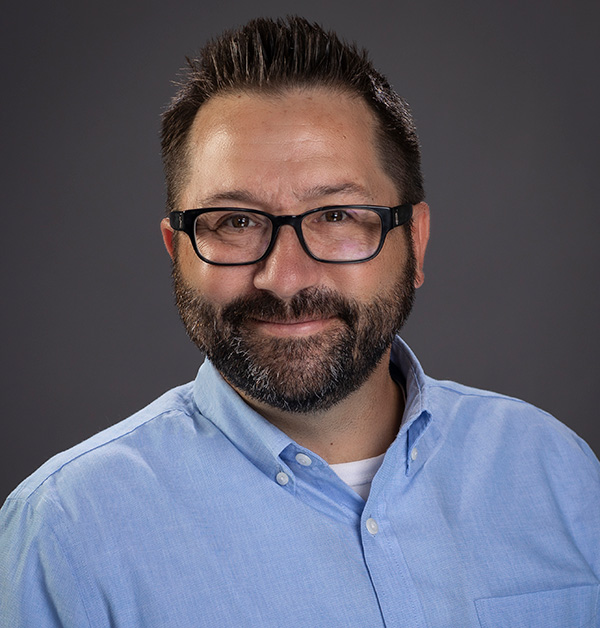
(198, 512)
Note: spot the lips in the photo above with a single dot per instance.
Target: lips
(290, 321)
(304, 326)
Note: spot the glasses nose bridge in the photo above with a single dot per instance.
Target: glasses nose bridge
(293, 221)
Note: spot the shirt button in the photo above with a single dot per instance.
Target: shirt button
(282, 478)
(372, 526)
(303, 459)
(414, 453)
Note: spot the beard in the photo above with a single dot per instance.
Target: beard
(299, 374)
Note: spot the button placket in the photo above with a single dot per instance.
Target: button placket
(303, 459)
(372, 526)
(282, 478)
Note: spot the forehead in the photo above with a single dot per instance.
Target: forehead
(283, 145)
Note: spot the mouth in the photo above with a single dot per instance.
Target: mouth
(295, 327)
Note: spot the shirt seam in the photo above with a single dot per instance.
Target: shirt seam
(34, 490)
(487, 395)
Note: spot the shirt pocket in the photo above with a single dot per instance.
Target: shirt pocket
(575, 607)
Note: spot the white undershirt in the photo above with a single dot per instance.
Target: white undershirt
(359, 474)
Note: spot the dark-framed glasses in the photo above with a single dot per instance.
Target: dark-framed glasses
(337, 234)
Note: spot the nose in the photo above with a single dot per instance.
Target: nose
(288, 269)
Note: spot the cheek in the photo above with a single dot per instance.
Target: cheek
(355, 281)
(395, 251)
(380, 275)
(217, 284)
(221, 284)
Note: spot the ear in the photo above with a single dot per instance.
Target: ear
(168, 233)
(420, 235)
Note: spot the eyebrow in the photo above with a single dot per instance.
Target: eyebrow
(317, 191)
(327, 190)
(240, 196)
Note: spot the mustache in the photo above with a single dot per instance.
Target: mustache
(308, 303)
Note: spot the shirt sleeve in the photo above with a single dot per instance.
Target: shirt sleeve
(38, 588)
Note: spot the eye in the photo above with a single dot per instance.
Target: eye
(236, 222)
(239, 222)
(335, 215)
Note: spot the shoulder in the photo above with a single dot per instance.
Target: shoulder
(500, 423)
(123, 445)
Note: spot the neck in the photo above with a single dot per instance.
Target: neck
(361, 426)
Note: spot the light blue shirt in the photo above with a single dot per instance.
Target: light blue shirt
(197, 512)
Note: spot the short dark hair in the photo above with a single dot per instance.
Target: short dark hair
(273, 56)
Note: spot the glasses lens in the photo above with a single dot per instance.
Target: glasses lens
(342, 234)
(232, 236)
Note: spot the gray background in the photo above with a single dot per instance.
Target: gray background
(506, 98)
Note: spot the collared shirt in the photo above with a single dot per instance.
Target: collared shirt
(198, 512)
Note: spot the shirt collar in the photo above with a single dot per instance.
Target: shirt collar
(410, 447)
(262, 443)
(404, 362)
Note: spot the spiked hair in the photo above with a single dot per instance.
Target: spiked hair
(273, 56)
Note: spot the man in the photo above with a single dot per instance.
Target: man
(312, 474)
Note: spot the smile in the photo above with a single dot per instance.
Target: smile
(303, 327)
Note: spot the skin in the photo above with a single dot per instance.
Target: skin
(287, 154)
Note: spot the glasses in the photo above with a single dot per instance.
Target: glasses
(338, 234)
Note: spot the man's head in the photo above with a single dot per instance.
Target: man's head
(272, 56)
(289, 331)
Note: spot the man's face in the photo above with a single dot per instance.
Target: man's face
(291, 332)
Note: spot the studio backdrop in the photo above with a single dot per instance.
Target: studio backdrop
(506, 101)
